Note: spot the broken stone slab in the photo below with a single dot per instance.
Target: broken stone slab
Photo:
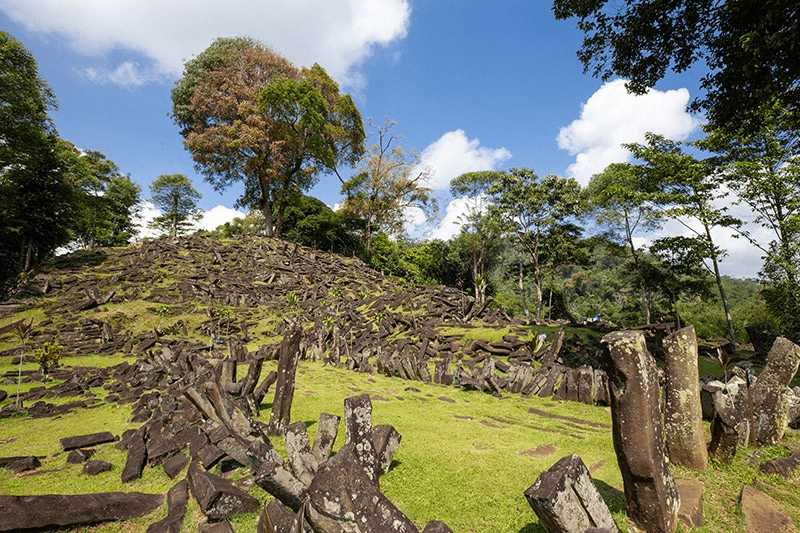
(638, 432)
(217, 497)
(24, 464)
(137, 456)
(177, 500)
(436, 526)
(782, 466)
(94, 467)
(771, 392)
(691, 511)
(343, 498)
(385, 439)
(172, 467)
(762, 513)
(52, 511)
(79, 455)
(289, 354)
(729, 426)
(298, 450)
(327, 429)
(86, 441)
(215, 527)
(566, 500)
(683, 414)
(280, 482)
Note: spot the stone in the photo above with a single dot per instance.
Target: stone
(771, 392)
(86, 441)
(24, 464)
(177, 500)
(275, 517)
(298, 449)
(763, 514)
(343, 498)
(638, 432)
(289, 350)
(217, 497)
(691, 511)
(729, 426)
(280, 482)
(216, 527)
(78, 456)
(327, 429)
(173, 466)
(782, 466)
(137, 456)
(683, 414)
(19, 513)
(566, 500)
(385, 440)
(358, 433)
(94, 467)
(209, 455)
(436, 526)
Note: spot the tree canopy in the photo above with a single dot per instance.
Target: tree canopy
(175, 196)
(248, 115)
(749, 47)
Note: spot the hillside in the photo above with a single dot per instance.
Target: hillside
(141, 325)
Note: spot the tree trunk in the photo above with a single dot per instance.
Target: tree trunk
(645, 301)
(723, 295)
(521, 284)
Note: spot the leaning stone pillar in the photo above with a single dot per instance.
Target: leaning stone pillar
(771, 392)
(638, 433)
(683, 414)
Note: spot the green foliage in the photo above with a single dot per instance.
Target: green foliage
(748, 49)
(175, 196)
(312, 223)
(48, 356)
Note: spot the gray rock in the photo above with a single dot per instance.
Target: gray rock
(638, 433)
(566, 500)
(92, 468)
(771, 392)
(86, 441)
(217, 497)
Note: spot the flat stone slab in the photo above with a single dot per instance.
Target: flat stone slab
(51, 511)
(763, 514)
(86, 441)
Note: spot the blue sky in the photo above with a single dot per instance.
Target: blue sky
(472, 85)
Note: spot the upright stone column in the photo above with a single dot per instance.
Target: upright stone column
(638, 433)
(683, 414)
(771, 392)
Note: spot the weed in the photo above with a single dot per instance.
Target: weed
(48, 356)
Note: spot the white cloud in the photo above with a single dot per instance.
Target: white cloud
(209, 220)
(337, 34)
(612, 116)
(450, 225)
(454, 154)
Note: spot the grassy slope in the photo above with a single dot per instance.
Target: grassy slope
(465, 458)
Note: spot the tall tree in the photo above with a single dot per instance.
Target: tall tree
(538, 212)
(248, 115)
(749, 48)
(389, 182)
(622, 203)
(481, 234)
(689, 191)
(35, 196)
(175, 196)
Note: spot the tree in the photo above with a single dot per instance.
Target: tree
(481, 233)
(621, 203)
(749, 47)
(689, 189)
(312, 223)
(174, 194)
(248, 115)
(390, 181)
(538, 212)
(106, 200)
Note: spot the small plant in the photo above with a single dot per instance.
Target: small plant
(48, 356)
(379, 316)
(292, 299)
(337, 293)
(328, 321)
(225, 313)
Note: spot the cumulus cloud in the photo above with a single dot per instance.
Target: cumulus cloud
(612, 116)
(209, 220)
(337, 34)
(454, 154)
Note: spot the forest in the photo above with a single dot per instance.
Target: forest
(539, 247)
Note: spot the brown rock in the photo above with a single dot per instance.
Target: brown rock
(762, 514)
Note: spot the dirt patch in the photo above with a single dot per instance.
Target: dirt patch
(490, 424)
(545, 414)
(445, 399)
(379, 399)
(461, 417)
(540, 451)
(596, 466)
